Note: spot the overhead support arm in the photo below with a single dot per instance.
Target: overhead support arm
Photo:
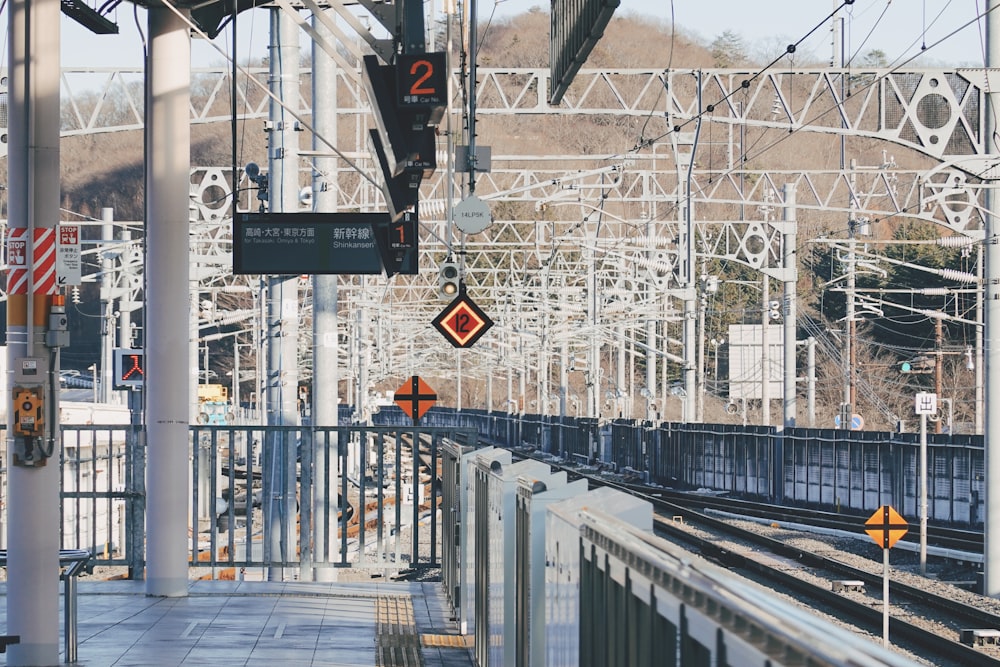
(328, 47)
(383, 48)
(404, 19)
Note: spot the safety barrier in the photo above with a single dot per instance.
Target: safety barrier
(73, 563)
(833, 469)
(103, 476)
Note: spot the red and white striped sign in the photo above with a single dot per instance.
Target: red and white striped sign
(44, 261)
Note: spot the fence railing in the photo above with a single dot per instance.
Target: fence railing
(263, 497)
(306, 498)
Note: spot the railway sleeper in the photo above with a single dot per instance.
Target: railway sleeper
(842, 585)
(980, 637)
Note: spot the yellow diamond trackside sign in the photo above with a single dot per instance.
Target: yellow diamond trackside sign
(886, 526)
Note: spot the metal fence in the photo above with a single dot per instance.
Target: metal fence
(834, 469)
(263, 497)
(309, 498)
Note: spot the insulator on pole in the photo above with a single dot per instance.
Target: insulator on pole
(958, 276)
(955, 241)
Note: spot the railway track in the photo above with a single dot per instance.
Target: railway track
(927, 618)
(931, 623)
(966, 541)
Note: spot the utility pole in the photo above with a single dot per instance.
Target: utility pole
(689, 277)
(702, 307)
(107, 305)
(811, 380)
(977, 361)
(938, 362)
(850, 350)
(282, 306)
(789, 240)
(326, 379)
(651, 388)
(991, 352)
(765, 359)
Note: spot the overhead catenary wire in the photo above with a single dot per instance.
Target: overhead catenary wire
(791, 48)
(806, 122)
(264, 88)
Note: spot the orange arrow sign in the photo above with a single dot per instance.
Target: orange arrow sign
(886, 526)
(415, 397)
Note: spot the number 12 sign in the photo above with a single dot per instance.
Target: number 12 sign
(462, 322)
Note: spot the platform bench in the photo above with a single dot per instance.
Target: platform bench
(841, 585)
(974, 637)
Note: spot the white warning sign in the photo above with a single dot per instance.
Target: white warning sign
(68, 265)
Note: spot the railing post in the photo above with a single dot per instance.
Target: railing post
(69, 616)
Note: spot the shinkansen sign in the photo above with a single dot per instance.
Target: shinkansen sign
(324, 243)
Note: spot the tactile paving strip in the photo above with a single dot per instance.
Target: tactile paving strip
(398, 643)
(446, 641)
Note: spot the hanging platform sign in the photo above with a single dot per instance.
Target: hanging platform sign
(324, 243)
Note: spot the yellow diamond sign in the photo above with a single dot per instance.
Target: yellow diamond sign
(886, 526)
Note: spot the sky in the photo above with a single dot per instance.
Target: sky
(899, 28)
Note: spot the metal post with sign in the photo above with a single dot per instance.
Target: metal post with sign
(68, 264)
(885, 527)
(415, 397)
(924, 404)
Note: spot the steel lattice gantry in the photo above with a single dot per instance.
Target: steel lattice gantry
(615, 214)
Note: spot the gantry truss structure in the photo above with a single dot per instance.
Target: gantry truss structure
(582, 269)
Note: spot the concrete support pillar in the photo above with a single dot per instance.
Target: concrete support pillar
(326, 379)
(168, 169)
(32, 492)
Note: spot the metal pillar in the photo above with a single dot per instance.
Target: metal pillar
(651, 388)
(325, 384)
(107, 304)
(620, 374)
(282, 302)
(811, 380)
(194, 374)
(563, 372)
(850, 348)
(33, 492)
(689, 277)
(765, 352)
(991, 337)
(923, 494)
(168, 168)
(593, 379)
(789, 311)
(700, 352)
(125, 333)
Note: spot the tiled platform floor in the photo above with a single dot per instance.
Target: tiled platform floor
(229, 623)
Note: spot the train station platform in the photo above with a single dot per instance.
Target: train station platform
(252, 623)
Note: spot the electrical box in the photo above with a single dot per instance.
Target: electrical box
(31, 447)
(29, 370)
(29, 411)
